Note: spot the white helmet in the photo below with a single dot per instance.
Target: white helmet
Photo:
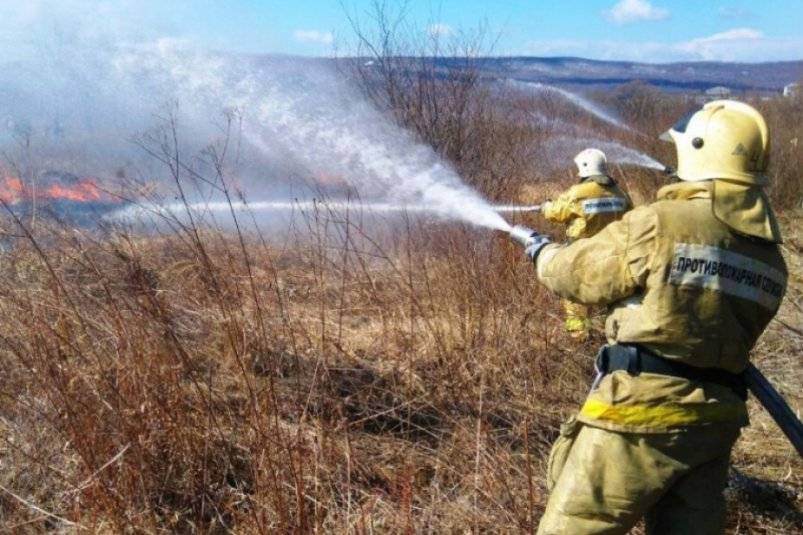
(591, 162)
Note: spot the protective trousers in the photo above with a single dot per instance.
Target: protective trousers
(604, 481)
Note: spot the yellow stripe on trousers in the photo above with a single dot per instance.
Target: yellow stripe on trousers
(664, 415)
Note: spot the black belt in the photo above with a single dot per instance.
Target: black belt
(636, 359)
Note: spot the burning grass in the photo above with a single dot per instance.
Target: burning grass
(52, 186)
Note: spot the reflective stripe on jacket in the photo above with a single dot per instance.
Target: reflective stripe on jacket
(587, 207)
(686, 286)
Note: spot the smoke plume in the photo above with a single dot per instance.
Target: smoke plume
(79, 98)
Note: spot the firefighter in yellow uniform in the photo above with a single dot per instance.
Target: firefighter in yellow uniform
(585, 209)
(692, 280)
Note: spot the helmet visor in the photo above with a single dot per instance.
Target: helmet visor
(679, 127)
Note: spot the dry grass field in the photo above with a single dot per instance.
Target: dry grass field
(163, 384)
(349, 376)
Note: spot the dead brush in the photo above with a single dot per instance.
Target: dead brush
(141, 351)
(353, 376)
(417, 389)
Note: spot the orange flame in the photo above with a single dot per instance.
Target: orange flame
(13, 190)
(84, 191)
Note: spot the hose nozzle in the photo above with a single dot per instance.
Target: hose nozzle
(522, 235)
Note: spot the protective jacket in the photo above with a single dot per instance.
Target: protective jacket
(685, 283)
(587, 207)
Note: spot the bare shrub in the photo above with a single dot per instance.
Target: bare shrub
(433, 85)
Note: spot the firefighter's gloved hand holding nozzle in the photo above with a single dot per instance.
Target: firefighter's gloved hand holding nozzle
(530, 239)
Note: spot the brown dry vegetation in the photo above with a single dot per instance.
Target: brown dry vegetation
(149, 386)
(342, 379)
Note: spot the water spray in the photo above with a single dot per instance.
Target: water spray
(517, 209)
(135, 211)
(522, 235)
(581, 102)
(616, 152)
(294, 118)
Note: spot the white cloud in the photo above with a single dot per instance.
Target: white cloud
(440, 30)
(738, 44)
(314, 36)
(735, 34)
(728, 44)
(626, 11)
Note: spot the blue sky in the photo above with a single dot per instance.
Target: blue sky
(643, 30)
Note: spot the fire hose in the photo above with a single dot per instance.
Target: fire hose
(776, 405)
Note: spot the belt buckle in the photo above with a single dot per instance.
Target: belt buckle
(634, 361)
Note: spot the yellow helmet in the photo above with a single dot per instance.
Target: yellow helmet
(726, 139)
